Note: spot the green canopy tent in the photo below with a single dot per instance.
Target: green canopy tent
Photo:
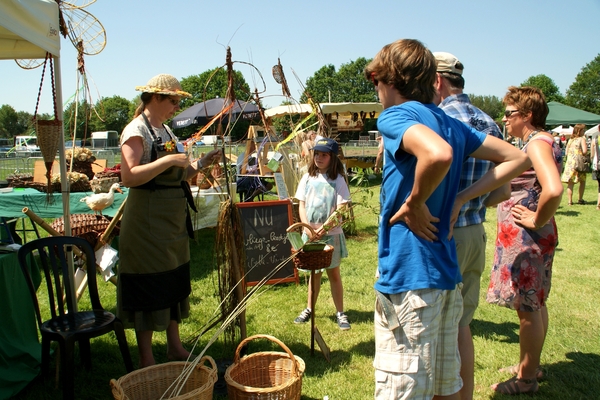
(561, 114)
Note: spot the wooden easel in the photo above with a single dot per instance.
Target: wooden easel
(256, 136)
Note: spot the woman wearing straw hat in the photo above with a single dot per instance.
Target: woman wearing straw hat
(154, 270)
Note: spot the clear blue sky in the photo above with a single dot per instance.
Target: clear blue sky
(501, 43)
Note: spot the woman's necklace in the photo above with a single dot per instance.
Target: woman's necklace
(530, 136)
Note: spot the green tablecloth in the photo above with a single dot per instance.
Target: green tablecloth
(12, 203)
(20, 350)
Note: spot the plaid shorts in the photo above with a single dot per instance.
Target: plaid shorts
(420, 358)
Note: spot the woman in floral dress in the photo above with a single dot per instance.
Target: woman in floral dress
(527, 235)
(576, 146)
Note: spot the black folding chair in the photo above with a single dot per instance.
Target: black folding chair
(66, 326)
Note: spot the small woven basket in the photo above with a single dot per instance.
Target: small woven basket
(152, 382)
(313, 260)
(266, 374)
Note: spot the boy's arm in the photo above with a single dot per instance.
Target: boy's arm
(434, 157)
(510, 163)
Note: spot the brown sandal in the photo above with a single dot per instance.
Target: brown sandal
(515, 386)
(514, 370)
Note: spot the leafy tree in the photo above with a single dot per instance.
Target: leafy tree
(491, 105)
(9, 122)
(85, 123)
(547, 86)
(24, 121)
(346, 85)
(584, 93)
(212, 84)
(113, 114)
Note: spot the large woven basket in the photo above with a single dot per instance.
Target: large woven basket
(152, 382)
(265, 375)
(102, 185)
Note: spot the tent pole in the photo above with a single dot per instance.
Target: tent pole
(63, 169)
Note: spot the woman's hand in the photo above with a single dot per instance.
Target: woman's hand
(212, 157)
(177, 160)
(524, 217)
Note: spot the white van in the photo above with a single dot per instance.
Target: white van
(26, 144)
(105, 139)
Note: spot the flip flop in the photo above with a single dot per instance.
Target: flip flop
(515, 386)
(514, 370)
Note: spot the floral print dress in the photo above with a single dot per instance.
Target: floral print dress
(522, 270)
(573, 151)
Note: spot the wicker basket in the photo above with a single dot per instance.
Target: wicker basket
(313, 260)
(102, 185)
(152, 382)
(265, 375)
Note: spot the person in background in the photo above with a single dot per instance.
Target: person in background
(527, 236)
(469, 233)
(321, 192)
(576, 146)
(154, 256)
(379, 158)
(594, 148)
(418, 300)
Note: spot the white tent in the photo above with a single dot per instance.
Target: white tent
(327, 108)
(29, 29)
(593, 131)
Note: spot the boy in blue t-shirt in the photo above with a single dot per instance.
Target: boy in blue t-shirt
(418, 307)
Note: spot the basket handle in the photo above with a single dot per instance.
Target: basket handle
(302, 224)
(210, 360)
(272, 339)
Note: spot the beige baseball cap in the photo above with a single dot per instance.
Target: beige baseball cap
(447, 62)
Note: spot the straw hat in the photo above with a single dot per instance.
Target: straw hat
(163, 84)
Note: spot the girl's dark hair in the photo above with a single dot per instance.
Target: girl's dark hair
(335, 168)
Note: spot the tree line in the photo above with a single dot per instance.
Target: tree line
(328, 84)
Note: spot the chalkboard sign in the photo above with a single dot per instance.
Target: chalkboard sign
(265, 241)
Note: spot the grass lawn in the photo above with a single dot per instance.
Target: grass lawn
(570, 357)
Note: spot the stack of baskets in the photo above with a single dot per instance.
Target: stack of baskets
(157, 382)
(265, 375)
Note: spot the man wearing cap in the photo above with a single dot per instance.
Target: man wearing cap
(469, 233)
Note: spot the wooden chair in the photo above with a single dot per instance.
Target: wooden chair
(66, 326)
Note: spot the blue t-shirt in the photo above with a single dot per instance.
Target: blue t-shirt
(407, 262)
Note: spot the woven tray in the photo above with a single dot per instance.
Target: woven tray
(265, 375)
(87, 226)
(152, 382)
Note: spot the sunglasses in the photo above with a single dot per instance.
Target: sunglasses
(375, 81)
(174, 102)
(508, 113)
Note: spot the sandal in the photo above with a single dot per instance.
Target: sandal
(570, 203)
(514, 370)
(515, 386)
(581, 201)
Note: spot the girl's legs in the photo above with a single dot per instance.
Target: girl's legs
(175, 350)
(144, 341)
(581, 190)
(598, 203)
(570, 185)
(337, 290)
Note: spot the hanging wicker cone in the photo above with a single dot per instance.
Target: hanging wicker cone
(48, 135)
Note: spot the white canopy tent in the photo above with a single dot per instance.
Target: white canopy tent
(593, 131)
(327, 108)
(29, 29)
